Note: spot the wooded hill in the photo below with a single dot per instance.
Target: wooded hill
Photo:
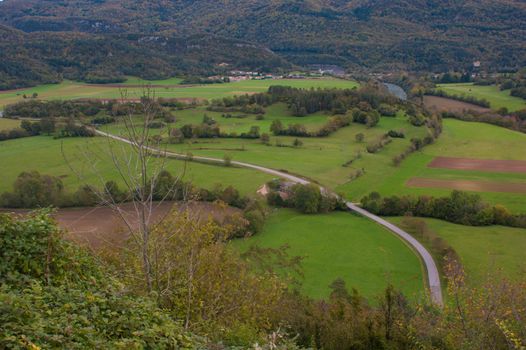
(428, 35)
(46, 57)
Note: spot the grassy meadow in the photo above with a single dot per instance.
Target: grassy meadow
(492, 93)
(68, 90)
(44, 154)
(483, 250)
(342, 245)
(321, 159)
(457, 140)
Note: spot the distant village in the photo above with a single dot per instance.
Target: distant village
(312, 72)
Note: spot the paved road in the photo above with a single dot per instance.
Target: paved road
(431, 268)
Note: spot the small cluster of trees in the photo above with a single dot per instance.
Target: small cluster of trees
(308, 199)
(47, 126)
(205, 131)
(37, 109)
(460, 208)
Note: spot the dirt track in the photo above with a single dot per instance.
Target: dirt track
(449, 105)
(504, 166)
(467, 185)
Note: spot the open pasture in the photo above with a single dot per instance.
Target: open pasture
(458, 140)
(68, 90)
(44, 154)
(468, 185)
(483, 250)
(492, 93)
(341, 245)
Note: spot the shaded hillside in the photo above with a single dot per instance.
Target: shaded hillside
(380, 34)
(44, 57)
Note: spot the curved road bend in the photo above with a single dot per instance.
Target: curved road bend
(431, 268)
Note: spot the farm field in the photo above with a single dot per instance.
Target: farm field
(321, 159)
(7, 124)
(342, 245)
(457, 140)
(43, 153)
(439, 104)
(497, 99)
(483, 250)
(73, 90)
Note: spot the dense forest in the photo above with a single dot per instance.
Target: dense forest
(378, 35)
(35, 58)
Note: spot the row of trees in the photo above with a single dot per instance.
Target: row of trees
(47, 126)
(515, 121)
(464, 98)
(460, 207)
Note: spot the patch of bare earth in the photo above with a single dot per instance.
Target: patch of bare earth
(440, 104)
(468, 185)
(504, 166)
(99, 227)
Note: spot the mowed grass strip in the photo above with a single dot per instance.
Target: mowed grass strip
(342, 245)
(492, 93)
(483, 250)
(466, 185)
(491, 165)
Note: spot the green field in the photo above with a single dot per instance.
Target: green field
(73, 90)
(457, 140)
(335, 245)
(321, 159)
(44, 154)
(492, 93)
(483, 250)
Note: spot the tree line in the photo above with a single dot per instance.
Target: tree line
(460, 208)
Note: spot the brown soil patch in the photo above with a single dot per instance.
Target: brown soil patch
(504, 166)
(467, 185)
(437, 103)
(100, 227)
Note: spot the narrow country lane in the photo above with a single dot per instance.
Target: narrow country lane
(431, 268)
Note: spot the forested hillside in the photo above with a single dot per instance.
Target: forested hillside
(410, 34)
(45, 57)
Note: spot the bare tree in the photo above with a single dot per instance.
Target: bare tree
(138, 159)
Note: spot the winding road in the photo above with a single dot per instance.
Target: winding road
(431, 268)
